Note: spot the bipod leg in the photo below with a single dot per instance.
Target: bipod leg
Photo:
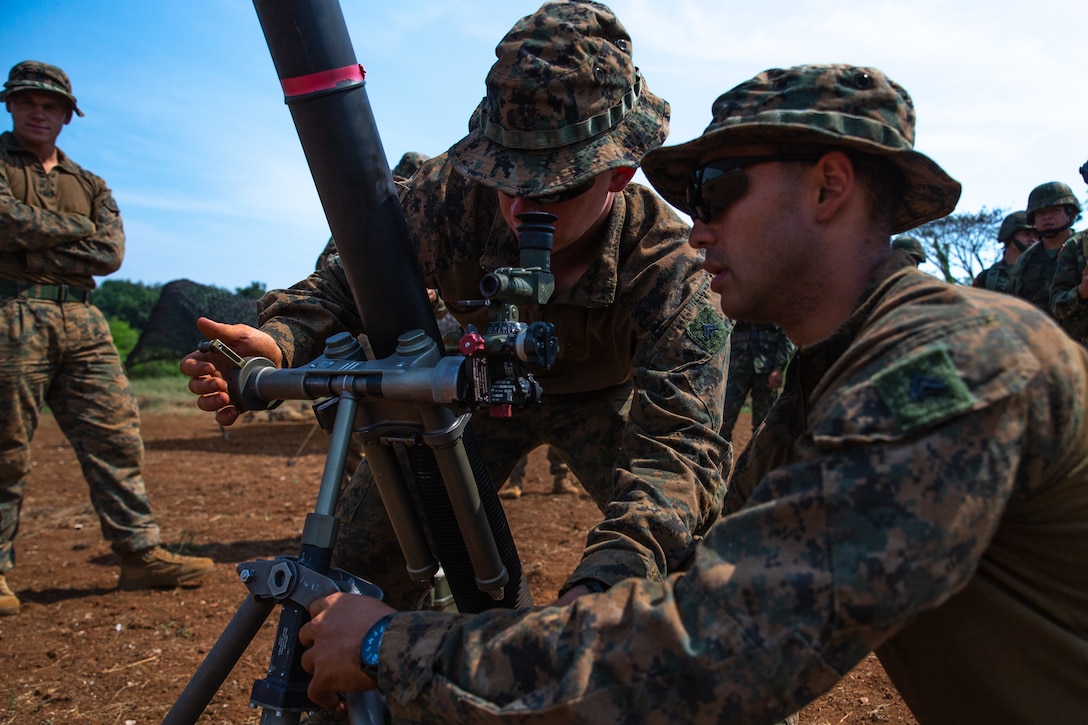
(222, 658)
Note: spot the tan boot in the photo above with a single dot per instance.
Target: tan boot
(9, 603)
(511, 491)
(157, 567)
(564, 483)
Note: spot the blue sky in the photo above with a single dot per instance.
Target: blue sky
(186, 122)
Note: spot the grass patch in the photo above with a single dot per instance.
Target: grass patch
(165, 393)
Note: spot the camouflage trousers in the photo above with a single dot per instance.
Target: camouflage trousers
(61, 354)
(744, 378)
(585, 429)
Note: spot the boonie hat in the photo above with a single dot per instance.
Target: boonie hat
(564, 103)
(33, 75)
(831, 105)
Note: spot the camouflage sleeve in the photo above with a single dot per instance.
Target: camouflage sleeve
(24, 228)
(306, 314)
(1016, 284)
(776, 607)
(773, 612)
(99, 253)
(1065, 301)
(668, 483)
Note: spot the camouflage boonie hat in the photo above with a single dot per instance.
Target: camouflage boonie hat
(33, 75)
(564, 103)
(911, 246)
(815, 105)
(409, 163)
(1013, 223)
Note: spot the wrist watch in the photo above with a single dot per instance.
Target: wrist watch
(593, 585)
(372, 645)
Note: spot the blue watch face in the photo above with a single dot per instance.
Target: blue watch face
(372, 643)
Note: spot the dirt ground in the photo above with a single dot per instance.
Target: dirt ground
(82, 651)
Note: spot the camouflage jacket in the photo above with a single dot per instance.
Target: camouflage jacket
(642, 315)
(1065, 302)
(1032, 275)
(997, 277)
(765, 342)
(920, 489)
(57, 228)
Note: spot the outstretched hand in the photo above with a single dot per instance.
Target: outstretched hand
(208, 369)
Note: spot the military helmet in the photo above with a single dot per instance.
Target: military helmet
(33, 75)
(817, 106)
(911, 246)
(565, 103)
(1052, 193)
(1013, 223)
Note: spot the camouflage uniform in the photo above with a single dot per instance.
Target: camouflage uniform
(930, 569)
(56, 231)
(1034, 272)
(756, 349)
(1068, 308)
(920, 488)
(633, 402)
(1032, 275)
(997, 278)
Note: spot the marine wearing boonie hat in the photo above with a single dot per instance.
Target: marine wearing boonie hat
(564, 103)
(33, 75)
(824, 106)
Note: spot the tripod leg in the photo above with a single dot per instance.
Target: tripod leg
(226, 652)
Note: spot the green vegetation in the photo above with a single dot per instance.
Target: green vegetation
(127, 305)
(124, 336)
(962, 244)
(164, 392)
(120, 299)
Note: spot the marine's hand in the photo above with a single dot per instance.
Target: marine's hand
(774, 380)
(208, 369)
(334, 635)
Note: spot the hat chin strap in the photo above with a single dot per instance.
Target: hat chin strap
(1051, 233)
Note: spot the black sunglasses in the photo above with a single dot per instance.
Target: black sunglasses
(713, 187)
(566, 195)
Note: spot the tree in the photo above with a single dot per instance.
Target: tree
(128, 301)
(254, 291)
(124, 337)
(962, 245)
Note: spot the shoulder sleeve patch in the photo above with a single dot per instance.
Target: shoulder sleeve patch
(708, 330)
(923, 388)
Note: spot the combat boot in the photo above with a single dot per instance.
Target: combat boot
(157, 567)
(9, 603)
(564, 483)
(511, 491)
